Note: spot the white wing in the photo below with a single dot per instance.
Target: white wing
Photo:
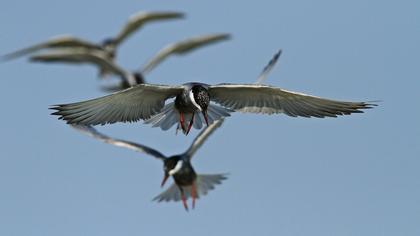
(136, 21)
(270, 100)
(138, 102)
(83, 56)
(183, 47)
(267, 69)
(56, 42)
(202, 137)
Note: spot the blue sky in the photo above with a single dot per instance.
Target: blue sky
(354, 175)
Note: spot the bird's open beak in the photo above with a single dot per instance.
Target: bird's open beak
(165, 177)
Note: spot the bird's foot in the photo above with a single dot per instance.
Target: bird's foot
(193, 195)
(184, 201)
(190, 124)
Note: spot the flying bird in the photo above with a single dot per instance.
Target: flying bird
(108, 46)
(101, 60)
(187, 183)
(147, 101)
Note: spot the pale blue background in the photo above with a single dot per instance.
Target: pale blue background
(355, 175)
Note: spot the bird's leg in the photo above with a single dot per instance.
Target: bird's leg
(181, 121)
(193, 194)
(191, 123)
(177, 128)
(184, 200)
(206, 117)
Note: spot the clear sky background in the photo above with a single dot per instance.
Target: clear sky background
(354, 175)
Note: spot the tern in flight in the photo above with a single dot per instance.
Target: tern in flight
(128, 78)
(108, 47)
(187, 183)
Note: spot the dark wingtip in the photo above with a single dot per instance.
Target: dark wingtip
(226, 36)
(180, 15)
(370, 104)
(7, 57)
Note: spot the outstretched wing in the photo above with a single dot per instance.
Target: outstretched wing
(270, 100)
(56, 42)
(202, 137)
(130, 105)
(92, 132)
(267, 69)
(80, 56)
(136, 21)
(183, 47)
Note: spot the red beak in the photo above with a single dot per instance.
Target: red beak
(165, 177)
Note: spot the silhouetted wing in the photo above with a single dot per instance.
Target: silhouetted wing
(83, 56)
(138, 102)
(265, 99)
(183, 47)
(267, 69)
(57, 42)
(202, 137)
(92, 132)
(136, 21)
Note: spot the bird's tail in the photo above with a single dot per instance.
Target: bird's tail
(169, 116)
(204, 183)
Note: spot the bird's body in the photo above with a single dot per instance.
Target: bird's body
(181, 170)
(186, 176)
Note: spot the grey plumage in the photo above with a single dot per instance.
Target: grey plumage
(143, 101)
(109, 46)
(204, 182)
(183, 47)
(107, 65)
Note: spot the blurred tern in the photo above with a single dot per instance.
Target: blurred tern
(108, 46)
(101, 60)
(187, 183)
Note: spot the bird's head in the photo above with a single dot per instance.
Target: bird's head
(171, 166)
(108, 42)
(109, 45)
(200, 98)
(138, 76)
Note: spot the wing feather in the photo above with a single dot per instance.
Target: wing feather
(265, 99)
(92, 132)
(56, 42)
(130, 105)
(202, 137)
(136, 21)
(183, 47)
(80, 56)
